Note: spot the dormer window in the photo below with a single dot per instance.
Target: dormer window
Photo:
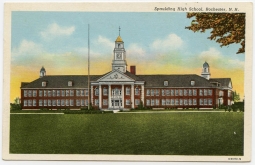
(70, 83)
(192, 83)
(44, 84)
(165, 83)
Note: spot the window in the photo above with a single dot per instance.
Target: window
(165, 83)
(49, 93)
(163, 92)
(176, 92)
(58, 92)
(71, 92)
(127, 102)
(194, 92)
(63, 102)
(167, 101)
(71, 102)
(29, 102)
(63, 93)
(82, 102)
(205, 101)
(190, 101)
(172, 101)
(105, 101)
(168, 92)
(49, 102)
(148, 103)
(194, 101)
(96, 102)
(58, 102)
(67, 92)
(201, 102)
(25, 103)
(78, 102)
(40, 103)
(44, 93)
(181, 102)
(54, 93)
(34, 93)
(180, 92)
(157, 92)
(172, 92)
(176, 102)
(30, 93)
(148, 92)
(40, 93)
(34, 102)
(185, 92)
(221, 93)
(67, 102)
(157, 101)
(152, 102)
(45, 102)
(137, 101)
(192, 83)
(54, 102)
(229, 93)
(127, 91)
(209, 92)
(105, 91)
(86, 92)
(25, 93)
(44, 84)
(200, 92)
(185, 102)
(86, 102)
(152, 92)
(190, 92)
(82, 92)
(205, 92)
(70, 83)
(96, 91)
(78, 93)
(209, 101)
(137, 92)
(163, 102)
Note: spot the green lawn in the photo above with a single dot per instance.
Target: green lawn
(163, 134)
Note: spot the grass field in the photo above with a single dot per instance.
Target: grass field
(161, 134)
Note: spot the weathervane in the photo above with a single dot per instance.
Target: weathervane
(119, 30)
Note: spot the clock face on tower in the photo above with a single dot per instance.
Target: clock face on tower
(118, 56)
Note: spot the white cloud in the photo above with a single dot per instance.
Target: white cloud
(27, 48)
(171, 42)
(54, 30)
(135, 49)
(211, 54)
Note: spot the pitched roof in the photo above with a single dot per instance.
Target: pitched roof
(175, 80)
(223, 81)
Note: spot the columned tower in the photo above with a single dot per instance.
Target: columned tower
(42, 72)
(206, 71)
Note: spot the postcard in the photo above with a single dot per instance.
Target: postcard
(127, 81)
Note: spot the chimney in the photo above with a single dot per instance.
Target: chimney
(132, 70)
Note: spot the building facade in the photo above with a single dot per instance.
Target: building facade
(123, 89)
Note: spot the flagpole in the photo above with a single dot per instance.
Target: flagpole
(88, 71)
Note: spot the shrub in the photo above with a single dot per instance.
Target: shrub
(14, 107)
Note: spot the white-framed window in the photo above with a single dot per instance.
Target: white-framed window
(30, 103)
(209, 92)
(86, 92)
(176, 101)
(45, 103)
(67, 102)
(190, 101)
(53, 93)
(78, 102)
(58, 92)
(34, 102)
(168, 102)
(105, 101)
(229, 93)
(105, 91)
(71, 92)
(165, 83)
(25, 103)
(192, 83)
(40, 93)
(157, 92)
(163, 102)
(148, 102)
(137, 91)
(176, 92)
(163, 92)
(34, 93)
(205, 101)
(40, 102)
(25, 93)
(205, 92)
(82, 102)
(185, 92)
(49, 102)
(30, 93)
(96, 102)
(58, 102)
(172, 92)
(181, 92)
(229, 102)
(127, 102)
(49, 93)
(200, 92)
(63, 93)
(209, 101)
(185, 102)
(148, 92)
(71, 102)
(201, 102)
(152, 92)
(181, 102)
(194, 101)
(63, 102)
(54, 103)
(172, 101)
(70, 83)
(137, 101)
(82, 92)
(194, 92)
(78, 92)
(157, 101)
(221, 93)
(67, 92)
(152, 102)
(190, 92)
(128, 91)
(45, 93)
(96, 91)
(44, 84)
(86, 102)
(168, 92)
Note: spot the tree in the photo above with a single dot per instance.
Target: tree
(236, 97)
(227, 28)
